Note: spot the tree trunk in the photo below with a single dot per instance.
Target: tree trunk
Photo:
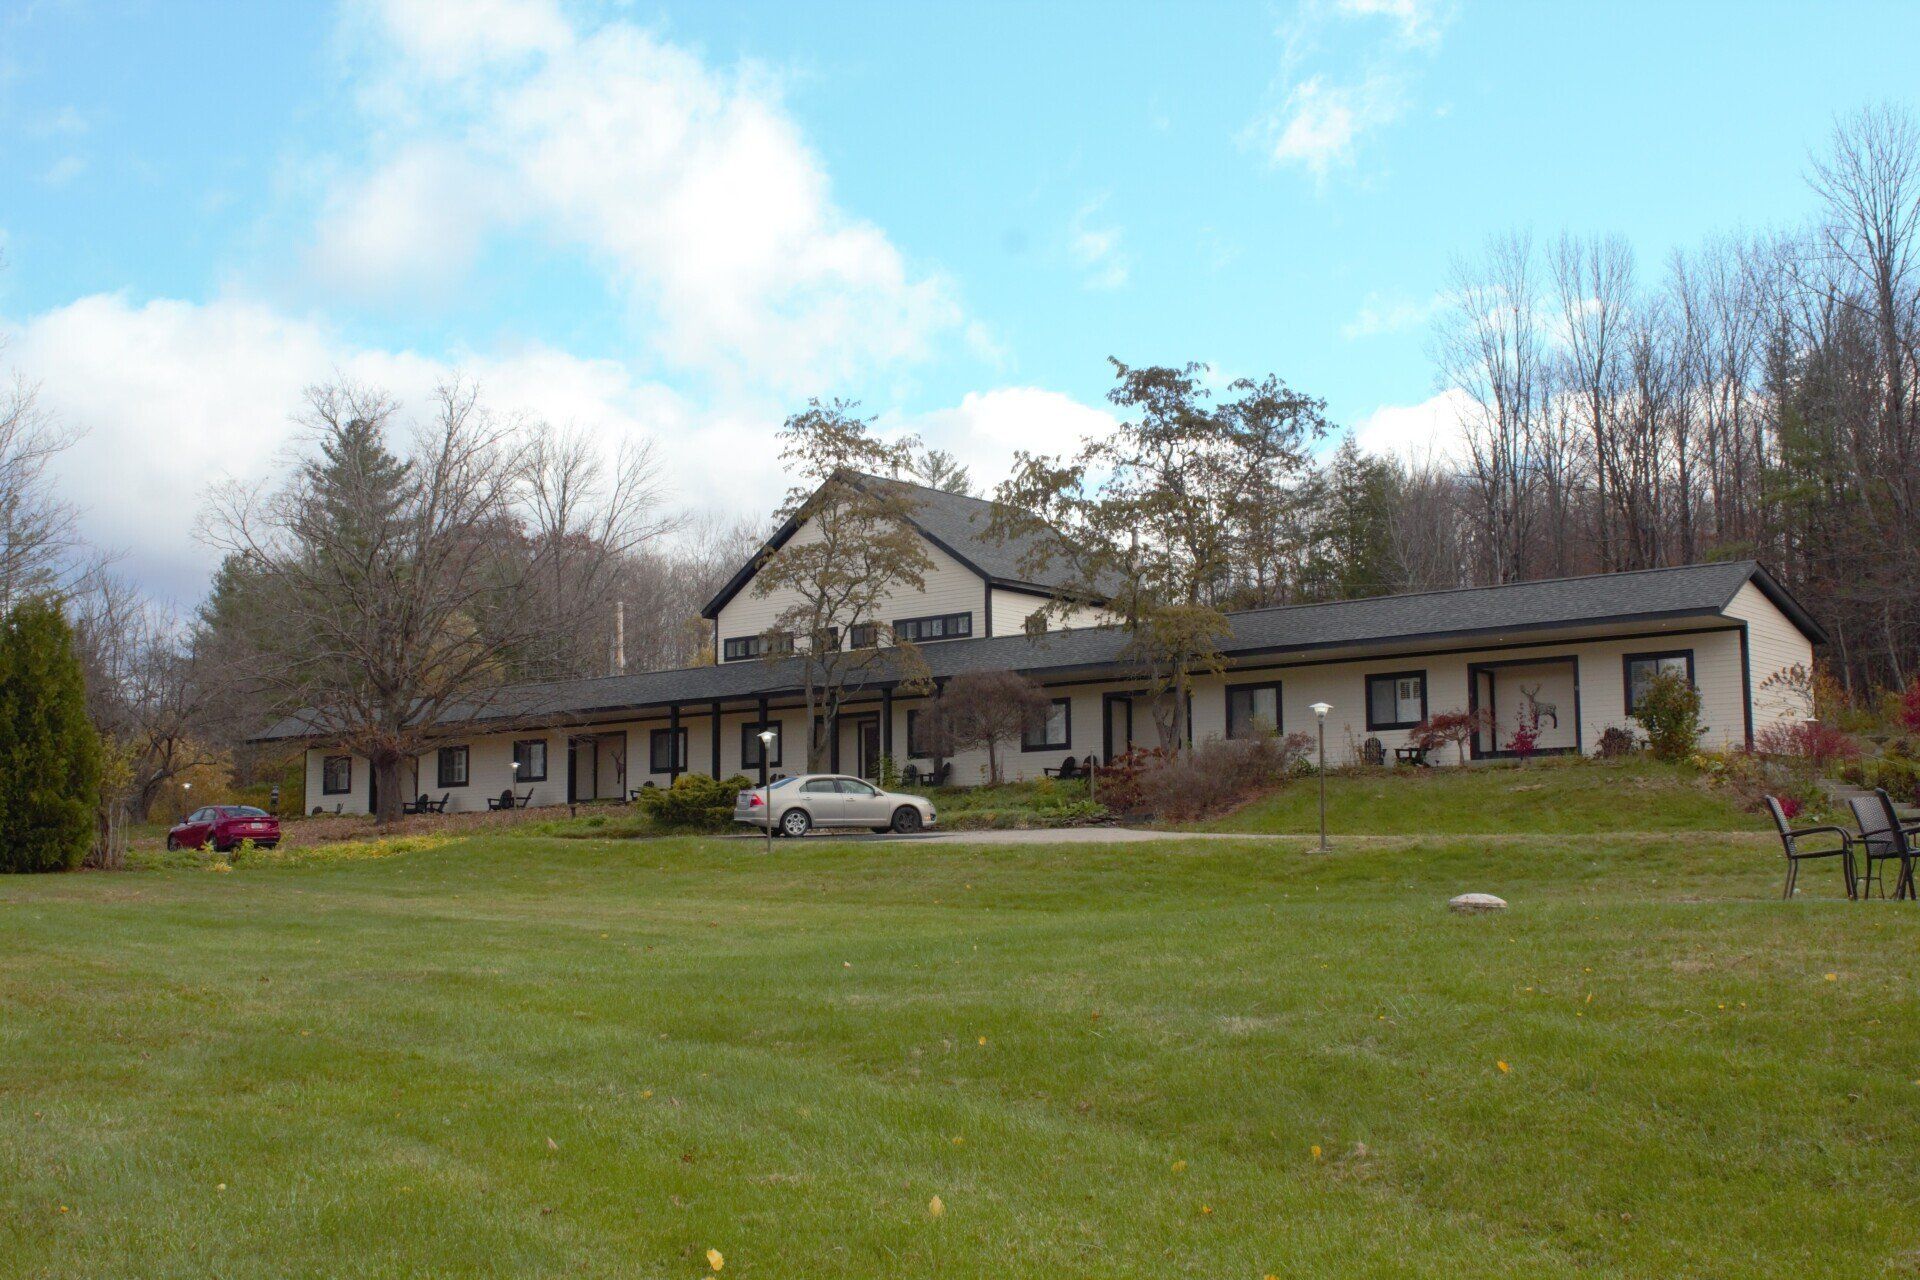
(386, 782)
(993, 763)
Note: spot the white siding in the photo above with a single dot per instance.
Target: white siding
(950, 587)
(354, 801)
(1774, 645)
(1011, 609)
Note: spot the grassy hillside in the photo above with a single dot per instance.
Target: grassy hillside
(1566, 796)
(505, 1055)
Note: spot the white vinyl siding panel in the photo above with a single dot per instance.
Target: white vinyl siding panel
(950, 587)
(1774, 645)
(1011, 609)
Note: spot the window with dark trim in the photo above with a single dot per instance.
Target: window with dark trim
(1253, 708)
(530, 754)
(1638, 668)
(916, 736)
(1396, 699)
(336, 775)
(863, 635)
(739, 648)
(1053, 731)
(452, 766)
(750, 745)
(940, 626)
(667, 750)
(826, 641)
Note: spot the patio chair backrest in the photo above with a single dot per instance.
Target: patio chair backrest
(1875, 817)
(1896, 834)
(1779, 818)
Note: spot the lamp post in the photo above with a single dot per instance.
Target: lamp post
(766, 737)
(186, 798)
(1320, 710)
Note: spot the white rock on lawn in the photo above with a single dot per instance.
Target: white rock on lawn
(1471, 903)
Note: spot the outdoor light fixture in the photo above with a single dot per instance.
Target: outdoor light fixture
(1320, 710)
(766, 737)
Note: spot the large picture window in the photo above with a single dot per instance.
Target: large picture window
(667, 750)
(1640, 668)
(453, 766)
(1396, 699)
(739, 648)
(944, 626)
(1052, 732)
(750, 745)
(336, 775)
(530, 757)
(1253, 709)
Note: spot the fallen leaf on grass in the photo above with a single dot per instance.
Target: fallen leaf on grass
(935, 1208)
(552, 1145)
(714, 1259)
(1503, 1067)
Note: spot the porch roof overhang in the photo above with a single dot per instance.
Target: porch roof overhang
(1515, 616)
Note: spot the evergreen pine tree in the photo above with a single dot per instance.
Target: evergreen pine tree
(49, 753)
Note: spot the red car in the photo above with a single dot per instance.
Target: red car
(224, 826)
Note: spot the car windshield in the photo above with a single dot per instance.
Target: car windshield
(246, 811)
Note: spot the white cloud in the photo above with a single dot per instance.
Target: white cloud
(1321, 122)
(987, 428)
(1378, 315)
(1097, 248)
(63, 171)
(1419, 22)
(693, 184)
(173, 398)
(1432, 430)
(1322, 117)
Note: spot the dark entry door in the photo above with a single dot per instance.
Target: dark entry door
(1116, 714)
(869, 749)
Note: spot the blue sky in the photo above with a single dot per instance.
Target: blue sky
(679, 221)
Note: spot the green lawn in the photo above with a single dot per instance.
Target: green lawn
(1566, 796)
(516, 1055)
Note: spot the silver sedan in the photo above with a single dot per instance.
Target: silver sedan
(798, 804)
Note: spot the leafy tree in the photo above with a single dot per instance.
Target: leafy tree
(856, 546)
(938, 469)
(50, 760)
(1162, 517)
(981, 710)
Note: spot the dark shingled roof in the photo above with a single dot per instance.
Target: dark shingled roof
(957, 523)
(1648, 596)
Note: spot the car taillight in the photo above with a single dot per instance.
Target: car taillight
(754, 802)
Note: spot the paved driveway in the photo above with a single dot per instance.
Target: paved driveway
(1043, 835)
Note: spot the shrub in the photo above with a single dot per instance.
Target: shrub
(1669, 711)
(1908, 712)
(1616, 742)
(1898, 775)
(1818, 745)
(1216, 775)
(1525, 740)
(50, 787)
(694, 800)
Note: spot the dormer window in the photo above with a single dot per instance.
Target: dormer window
(740, 648)
(864, 635)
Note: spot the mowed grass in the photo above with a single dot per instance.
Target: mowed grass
(512, 1055)
(1551, 794)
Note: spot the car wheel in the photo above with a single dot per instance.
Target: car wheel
(795, 823)
(906, 819)
(173, 844)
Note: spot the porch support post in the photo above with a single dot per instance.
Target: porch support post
(833, 743)
(886, 721)
(673, 742)
(716, 739)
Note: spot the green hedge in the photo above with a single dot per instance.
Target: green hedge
(694, 800)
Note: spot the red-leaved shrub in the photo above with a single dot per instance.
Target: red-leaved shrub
(1910, 707)
(1808, 741)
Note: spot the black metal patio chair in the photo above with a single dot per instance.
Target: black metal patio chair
(1790, 838)
(1883, 839)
